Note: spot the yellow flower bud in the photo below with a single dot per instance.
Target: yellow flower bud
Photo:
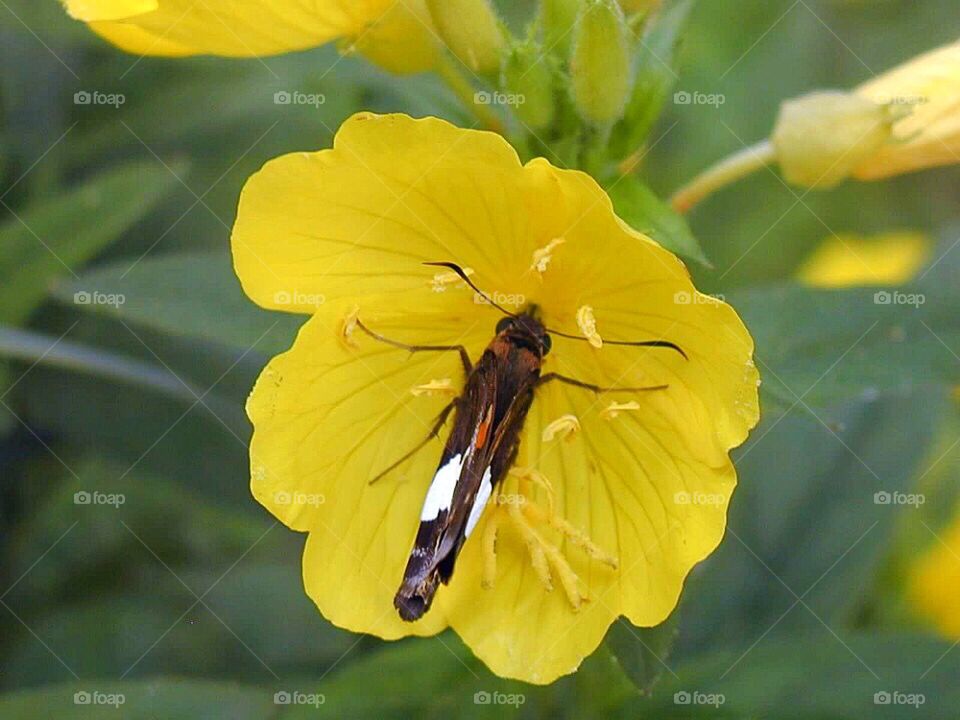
(528, 79)
(600, 65)
(822, 137)
(471, 29)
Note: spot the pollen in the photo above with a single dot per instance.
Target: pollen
(588, 326)
(443, 386)
(615, 408)
(565, 426)
(442, 280)
(543, 256)
(349, 325)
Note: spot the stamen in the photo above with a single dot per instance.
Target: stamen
(575, 536)
(613, 409)
(565, 426)
(443, 386)
(535, 546)
(543, 256)
(588, 326)
(527, 475)
(349, 325)
(442, 279)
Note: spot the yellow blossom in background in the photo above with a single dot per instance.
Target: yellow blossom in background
(933, 584)
(904, 120)
(611, 519)
(848, 260)
(396, 34)
(929, 135)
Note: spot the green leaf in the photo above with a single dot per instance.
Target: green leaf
(643, 653)
(822, 678)
(826, 346)
(170, 699)
(55, 236)
(186, 294)
(804, 522)
(637, 204)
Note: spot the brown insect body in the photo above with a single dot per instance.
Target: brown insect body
(482, 446)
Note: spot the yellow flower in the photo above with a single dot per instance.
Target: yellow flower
(934, 581)
(904, 120)
(396, 34)
(848, 260)
(929, 135)
(609, 511)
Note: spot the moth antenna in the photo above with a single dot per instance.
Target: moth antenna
(642, 343)
(463, 276)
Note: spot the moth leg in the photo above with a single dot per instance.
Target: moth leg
(550, 377)
(464, 356)
(434, 432)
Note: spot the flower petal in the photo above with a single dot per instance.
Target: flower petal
(395, 34)
(327, 419)
(359, 220)
(930, 135)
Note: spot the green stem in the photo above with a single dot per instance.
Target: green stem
(724, 173)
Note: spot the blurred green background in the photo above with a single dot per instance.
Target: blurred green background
(127, 349)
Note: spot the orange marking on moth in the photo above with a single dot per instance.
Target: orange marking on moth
(483, 431)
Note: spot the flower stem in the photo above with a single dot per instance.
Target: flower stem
(465, 92)
(723, 173)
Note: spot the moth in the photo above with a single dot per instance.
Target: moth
(484, 441)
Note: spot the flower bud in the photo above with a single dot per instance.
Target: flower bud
(558, 18)
(471, 29)
(528, 79)
(822, 137)
(600, 64)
